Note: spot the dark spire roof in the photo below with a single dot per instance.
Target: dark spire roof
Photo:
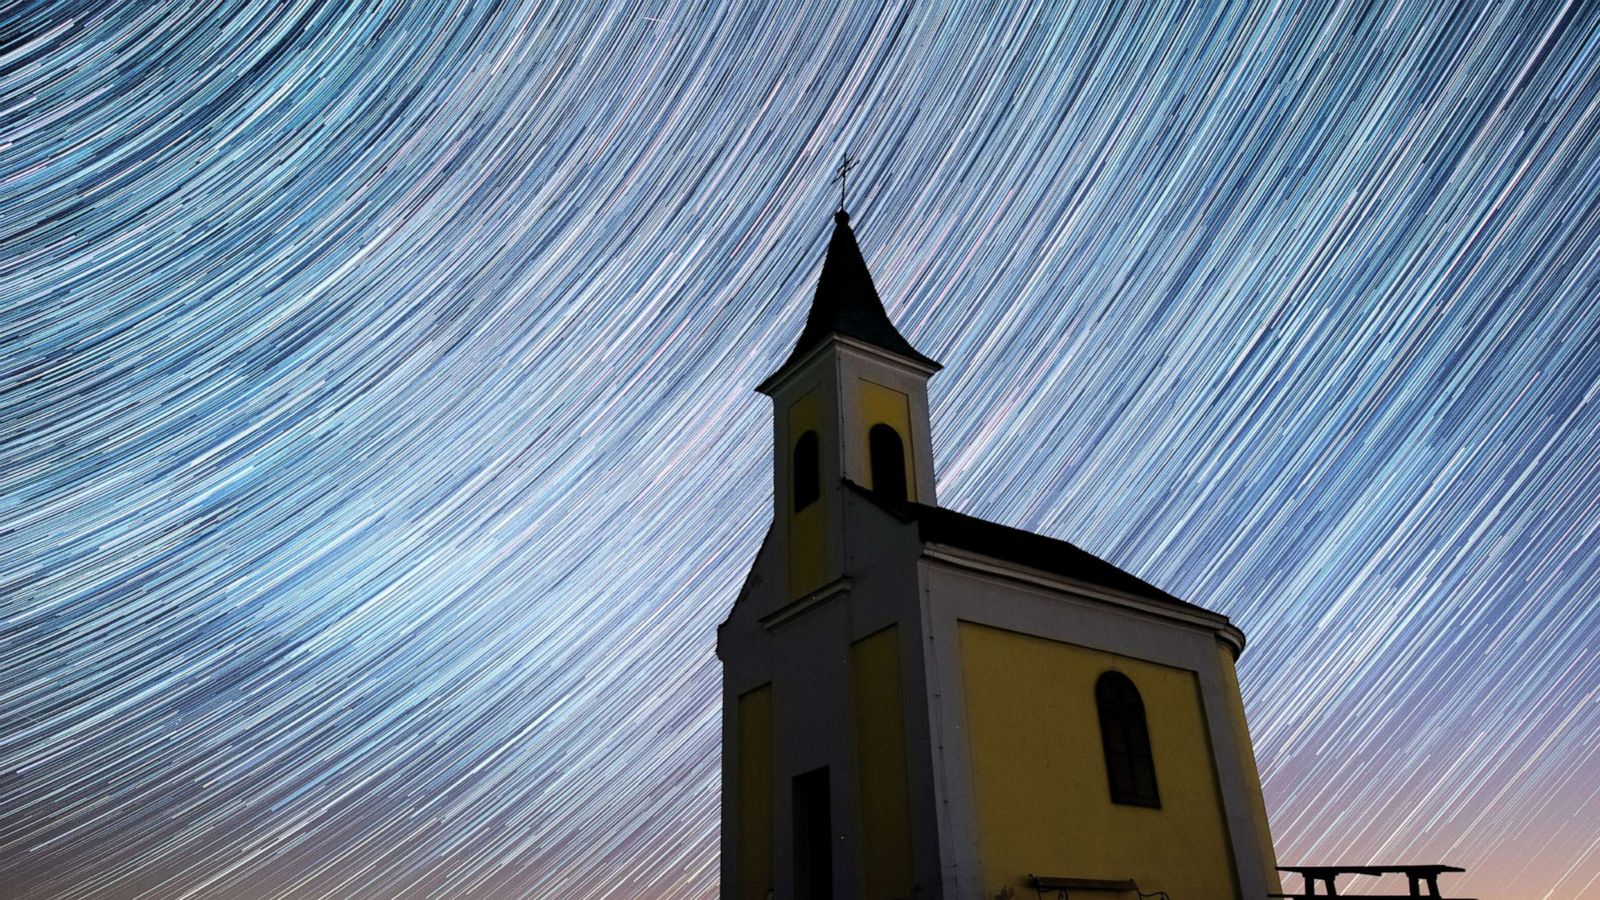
(846, 302)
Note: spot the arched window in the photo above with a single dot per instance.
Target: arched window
(1129, 766)
(805, 475)
(888, 462)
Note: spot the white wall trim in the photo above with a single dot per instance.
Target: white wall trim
(805, 604)
(988, 565)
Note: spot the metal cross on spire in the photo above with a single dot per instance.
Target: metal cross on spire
(842, 175)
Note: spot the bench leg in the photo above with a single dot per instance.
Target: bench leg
(1417, 882)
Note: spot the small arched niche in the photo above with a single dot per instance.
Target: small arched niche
(805, 472)
(888, 454)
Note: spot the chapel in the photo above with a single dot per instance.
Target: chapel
(918, 703)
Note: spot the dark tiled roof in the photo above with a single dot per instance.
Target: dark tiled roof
(945, 526)
(847, 303)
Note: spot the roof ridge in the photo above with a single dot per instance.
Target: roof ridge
(938, 524)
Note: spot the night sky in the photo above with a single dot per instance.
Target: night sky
(378, 448)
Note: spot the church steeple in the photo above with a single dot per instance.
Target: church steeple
(850, 405)
(846, 303)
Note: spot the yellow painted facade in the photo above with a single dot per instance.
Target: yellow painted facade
(1042, 798)
(881, 753)
(755, 794)
(807, 548)
(876, 404)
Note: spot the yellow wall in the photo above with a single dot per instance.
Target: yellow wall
(807, 547)
(878, 404)
(881, 750)
(1043, 802)
(1258, 804)
(755, 794)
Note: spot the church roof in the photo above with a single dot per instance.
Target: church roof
(847, 303)
(937, 525)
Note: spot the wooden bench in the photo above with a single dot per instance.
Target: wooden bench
(1419, 876)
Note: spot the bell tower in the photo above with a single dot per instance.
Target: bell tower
(822, 796)
(850, 404)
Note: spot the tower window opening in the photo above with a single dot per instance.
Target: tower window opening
(806, 477)
(1130, 767)
(888, 462)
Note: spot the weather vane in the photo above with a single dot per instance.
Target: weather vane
(846, 163)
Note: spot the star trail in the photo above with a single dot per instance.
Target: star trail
(379, 449)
